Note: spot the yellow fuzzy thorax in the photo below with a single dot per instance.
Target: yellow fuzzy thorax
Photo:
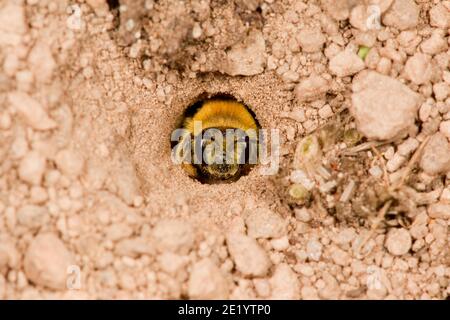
(222, 114)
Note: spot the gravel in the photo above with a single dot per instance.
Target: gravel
(387, 117)
(398, 242)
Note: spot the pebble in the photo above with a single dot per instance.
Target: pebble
(47, 260)
(439, 211)
(346, 63)
(284, 283)
(326, 112)
(440, 16)
(418, 68)
(171, 262)
(264, 223)
(338, 9)
(436, 155)
(280, 244)
(12, 23)
(302, 214)
(206, 281)
(398, 241)
(31, 111)
(32, 167)
(304, 269)
(249, 257)
(9, 256)
(309, 293)
(435, 44)
(311, 88)
(408, 146)
(118, 231)
(314, 249)
(134, 247)
(69, 162)
(41, 62)
(403, 14)
(32, 216)
(382, 118)
(247, 58)
(174, 235)
(340, 257)
(311, 40)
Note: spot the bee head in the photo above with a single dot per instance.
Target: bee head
(227, 131)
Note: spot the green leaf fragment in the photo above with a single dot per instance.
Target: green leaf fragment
(363, 51)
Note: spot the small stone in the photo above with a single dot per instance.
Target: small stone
(403, 14)
(280, 244)
(284, 284)
(441, 91)
(337, 9)
(197, 31)
(311, 40)
(326, 112)
(361, 18)
(382, 118)
(31, 111)
(340, 257)
(70, 162)
(9, 256)
(437, 43)
(100, 7)
(290, 76)
(436, 155)
(309, 293)
(440, 16)
(262, 287)
(32, 216)
(418, 68)
(47, 261)
(249, 257)
(2, 287)
(439, 211)
(134, 247)
(314, 249)
(32, 167)
(174, 235)
(304, 269)
(41, 62)
(330, 289)
(302, 214)
(311, 88)
(345, 236)
(394, 164)
(247, 58)
(118, 231)
(408, 146)
(207, 282)
(264, 223)
(171, 262)
(12, 23)
(444, 128)
(346, 63)
(398, 241)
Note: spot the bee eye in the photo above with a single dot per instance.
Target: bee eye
(228, 119)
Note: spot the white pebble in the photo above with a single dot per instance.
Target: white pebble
(398, 241)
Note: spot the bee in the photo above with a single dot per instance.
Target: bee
(224, 146)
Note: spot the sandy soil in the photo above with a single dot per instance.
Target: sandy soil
(91, 205)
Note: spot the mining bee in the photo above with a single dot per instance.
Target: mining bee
(217, 141)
